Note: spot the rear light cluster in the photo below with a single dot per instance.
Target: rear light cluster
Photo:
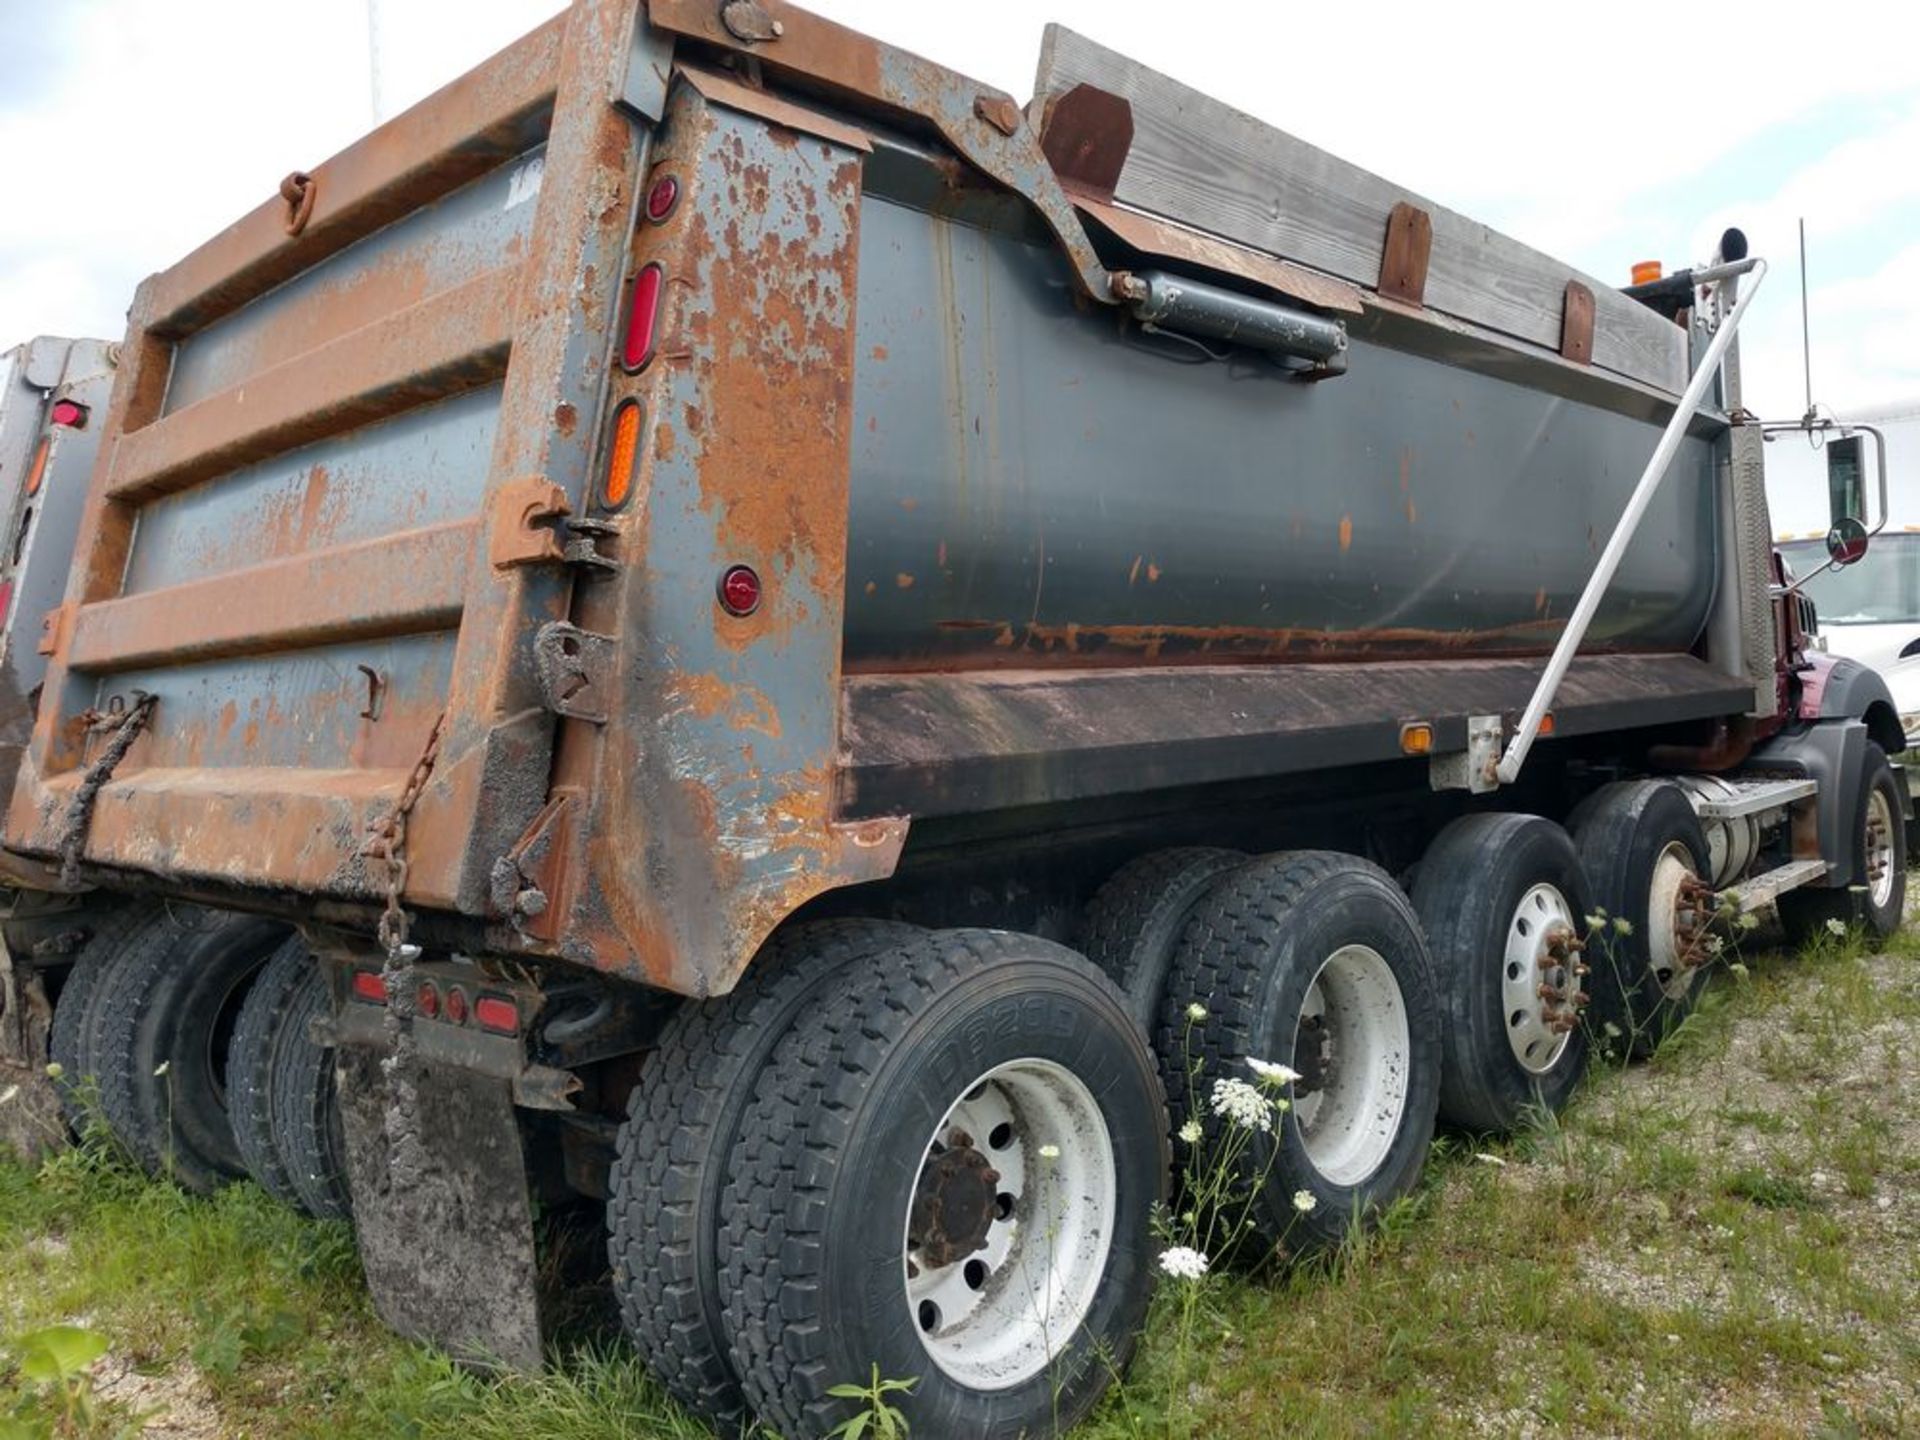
(450, 1002)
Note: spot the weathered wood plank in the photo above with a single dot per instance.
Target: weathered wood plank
(1203, 163)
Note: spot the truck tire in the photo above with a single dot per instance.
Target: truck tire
(1498, 894)
(250, 1065)
(1313, 960)
(1875, 895)
(67, 1040)
(982, 1102)
(1640, 843)
(162, 1017)
(1132, 925)
(671, 1156)
(304, 1095)
(281, 1092)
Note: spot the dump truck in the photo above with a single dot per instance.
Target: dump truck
(52, 391)
(722, 628)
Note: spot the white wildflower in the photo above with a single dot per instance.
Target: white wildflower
(1049, 1152)
(1267, 1072)
(1596, 922)
(1748, 920)
(1196, 1011)
(1242, 1104)
(162, 1068)
(1183, 1262)
(1190, 1132)
(1837, 928)
(56, 1070)
(1601, 911)
(1304, 1202)
(1486, 1158)
(1622, 925)
(1282, 1105)
(1737, 970)
(1715, 944)
(1613, 1031)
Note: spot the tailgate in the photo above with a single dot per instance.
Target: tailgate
(321, 522)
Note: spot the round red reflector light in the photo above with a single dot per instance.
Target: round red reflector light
(739, 591)
(70, 413)
(427, 1001)
(370, 986)
(661, 199)
(457, 1005)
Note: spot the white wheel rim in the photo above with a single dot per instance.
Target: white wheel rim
(997, 1316)
(1879, 849)
(1527, 969)
(1354, 1048)
(1671, 968)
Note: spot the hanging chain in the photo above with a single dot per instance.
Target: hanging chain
(122, 727)
(387, 843)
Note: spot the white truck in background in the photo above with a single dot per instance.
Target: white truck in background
(1868, 611)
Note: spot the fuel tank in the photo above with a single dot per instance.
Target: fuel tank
(1038, 485)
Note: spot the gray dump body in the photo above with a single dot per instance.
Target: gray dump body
(357, 523)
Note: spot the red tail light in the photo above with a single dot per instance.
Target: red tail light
(661, 199)
(740, 591)
(427, 1001)
(456, 1005)
(70, 413)
(368, 985)
(642, 319)
(492, 1012)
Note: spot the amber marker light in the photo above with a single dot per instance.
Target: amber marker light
(621, 454)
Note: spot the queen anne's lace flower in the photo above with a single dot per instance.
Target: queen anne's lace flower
(1196, 1011)
(1183, 1263)
(1267, 1072)
(1304, 1202)
(1190, 1132)
(1837, 928)
(1242, 1104)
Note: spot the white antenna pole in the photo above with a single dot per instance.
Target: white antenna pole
(1806, 337)
(373, 61)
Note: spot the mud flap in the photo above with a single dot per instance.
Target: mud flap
(441, 1207)
(31, 1124)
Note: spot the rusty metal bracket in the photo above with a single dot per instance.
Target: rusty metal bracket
(1403, 263)
(969, 116)
(1086, 135)
(575, 668)
(520, 534)
(56, 629)
(299, 191)
(1576, 324)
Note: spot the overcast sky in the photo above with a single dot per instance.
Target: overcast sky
(132, 130)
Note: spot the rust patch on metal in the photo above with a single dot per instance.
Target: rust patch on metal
(1346, 533)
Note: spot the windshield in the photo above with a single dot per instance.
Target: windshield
(1883, 589)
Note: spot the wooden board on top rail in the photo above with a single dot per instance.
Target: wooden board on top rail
(1199, 161)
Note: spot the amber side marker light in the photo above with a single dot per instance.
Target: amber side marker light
(1416, 739)
(621, 454)
(37, 471)
(1546, 725)
(1645, 272)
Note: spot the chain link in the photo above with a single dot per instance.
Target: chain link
(122, 727)
(387, 844)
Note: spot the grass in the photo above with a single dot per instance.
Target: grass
(1725, 1240)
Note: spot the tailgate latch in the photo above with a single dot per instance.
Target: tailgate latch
(575, 667)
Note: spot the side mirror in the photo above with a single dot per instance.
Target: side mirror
(1847, 540)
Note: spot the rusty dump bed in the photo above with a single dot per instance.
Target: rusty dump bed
(385, 497)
